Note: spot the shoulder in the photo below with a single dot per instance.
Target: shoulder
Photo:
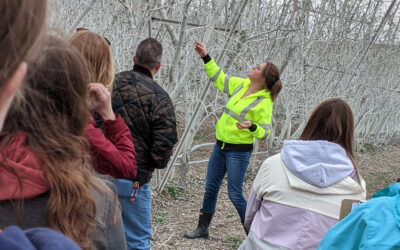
(105, 198)
(159, 95)
(272, 162)
(270, 165)
(35, 209)
(380, 205)
(390, 190)
(123, 85)
(374, 212)
(273, 170)
(144, 85)
(124, 77)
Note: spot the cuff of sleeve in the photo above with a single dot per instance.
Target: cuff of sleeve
(206, 59)
(253, 127)
(114, 125)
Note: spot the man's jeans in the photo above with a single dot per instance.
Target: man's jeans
(135, 215)
(235, 165)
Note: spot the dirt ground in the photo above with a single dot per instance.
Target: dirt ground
(175, 211)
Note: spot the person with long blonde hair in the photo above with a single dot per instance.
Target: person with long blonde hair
(97, 51)
(113, 152)
(46, 173)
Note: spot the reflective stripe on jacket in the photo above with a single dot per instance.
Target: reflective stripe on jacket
(256, 108)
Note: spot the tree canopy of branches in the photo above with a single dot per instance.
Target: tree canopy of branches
(335, 48)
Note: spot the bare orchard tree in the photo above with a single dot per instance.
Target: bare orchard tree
(337, 48)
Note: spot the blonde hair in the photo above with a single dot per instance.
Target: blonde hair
(96, 50)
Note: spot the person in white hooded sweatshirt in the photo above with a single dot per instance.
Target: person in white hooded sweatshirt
(297, 194)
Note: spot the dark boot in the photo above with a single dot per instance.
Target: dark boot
(202, 228)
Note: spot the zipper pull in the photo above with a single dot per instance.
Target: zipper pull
(134, 191)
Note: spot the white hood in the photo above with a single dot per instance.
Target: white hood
(316, 165)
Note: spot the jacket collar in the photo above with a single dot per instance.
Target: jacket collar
(142, 70)
(262, 93)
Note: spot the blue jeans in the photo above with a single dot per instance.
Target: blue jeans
(135, 215)
(234, 164)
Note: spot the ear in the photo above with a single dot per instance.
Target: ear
(158, 66)
(134, 59)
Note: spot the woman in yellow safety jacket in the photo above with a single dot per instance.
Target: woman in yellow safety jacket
(247, 116)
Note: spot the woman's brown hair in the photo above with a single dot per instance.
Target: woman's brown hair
(272, 79)
(333, 121)
(21, 23)
(96, 50)
(53, 113)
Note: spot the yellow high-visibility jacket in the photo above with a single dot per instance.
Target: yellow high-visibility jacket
(256, 108)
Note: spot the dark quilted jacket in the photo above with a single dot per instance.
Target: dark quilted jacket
(148, 111)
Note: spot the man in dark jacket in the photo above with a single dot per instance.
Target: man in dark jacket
(148, 111)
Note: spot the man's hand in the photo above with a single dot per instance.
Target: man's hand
(100, 98)
(200, 49)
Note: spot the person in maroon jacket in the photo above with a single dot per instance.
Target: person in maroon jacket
(113, 152)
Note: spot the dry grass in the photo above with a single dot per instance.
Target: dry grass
(175, 211)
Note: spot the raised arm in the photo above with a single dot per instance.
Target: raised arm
(115, 147)
(222, 81)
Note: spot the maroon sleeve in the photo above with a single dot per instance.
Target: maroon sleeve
(114, 152)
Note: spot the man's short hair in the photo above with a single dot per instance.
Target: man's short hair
(148, 53)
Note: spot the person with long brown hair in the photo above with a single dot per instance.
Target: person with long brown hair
(46, 176)
(297, 194)
(21, 26)
(247, 116)
(113, 151)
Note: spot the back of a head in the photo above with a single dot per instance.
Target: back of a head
(272, 79)
(21, 23)
(333, 121)
(149, 53)
(97, 52)
(52, 111)
(54, 92)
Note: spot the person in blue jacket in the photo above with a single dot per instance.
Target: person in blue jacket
(38, 238)
(375, 224)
